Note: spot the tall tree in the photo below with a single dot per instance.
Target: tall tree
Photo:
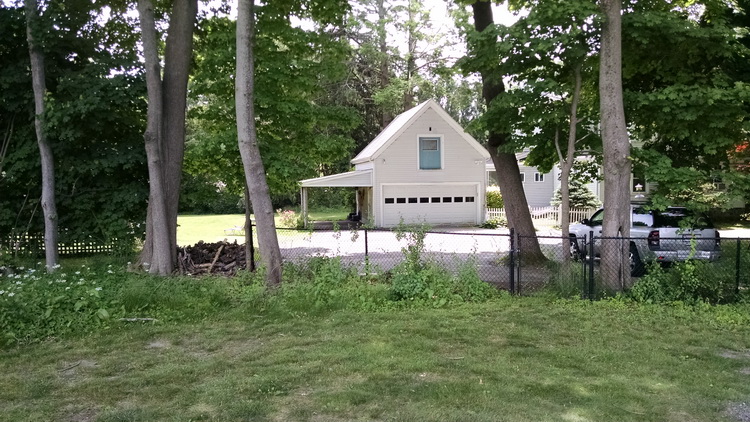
(94, 119)
(255, 175)
(502, 154)
(49, 205)
(616, 146)
(689, 102)
(165, 132)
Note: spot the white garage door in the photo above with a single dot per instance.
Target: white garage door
(433, 204)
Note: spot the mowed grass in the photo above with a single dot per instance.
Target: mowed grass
(512, 359)
(214, 227)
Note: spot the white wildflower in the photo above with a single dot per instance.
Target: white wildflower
(11, 294)
(98, 289)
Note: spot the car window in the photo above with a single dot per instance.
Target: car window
(679, 217)
(642, 218)
(597, 219)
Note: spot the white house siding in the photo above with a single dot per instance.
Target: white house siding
(399, 163)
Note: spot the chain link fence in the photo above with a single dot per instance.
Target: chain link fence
(592, 267)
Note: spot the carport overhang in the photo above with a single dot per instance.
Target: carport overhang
(351, 179)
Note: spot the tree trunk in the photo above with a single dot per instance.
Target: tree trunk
(616, 147)
(177, 59)
(566, 163)
(249, 247)
(157, 254)
(411, 55)
(383, 46)
(506, 165)
(255, 175)
(165, 132)
(49, 206)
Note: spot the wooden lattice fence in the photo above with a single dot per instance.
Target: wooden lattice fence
(28, 244)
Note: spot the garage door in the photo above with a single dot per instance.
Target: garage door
(433, 204)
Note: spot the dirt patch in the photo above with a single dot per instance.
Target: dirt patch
(87, 415)
(735, 354)
(739, 412)
(70, 369)
(159, 344)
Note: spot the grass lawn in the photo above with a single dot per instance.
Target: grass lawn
(512, 359)
(211, 228)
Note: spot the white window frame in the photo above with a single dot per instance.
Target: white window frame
(523, 177)
(538, 177)
(441, 148)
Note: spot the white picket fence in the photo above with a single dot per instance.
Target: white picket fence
(545, 213)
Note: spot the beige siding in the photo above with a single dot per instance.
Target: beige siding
(399, 162)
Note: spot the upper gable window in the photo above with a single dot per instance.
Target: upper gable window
(430, 157)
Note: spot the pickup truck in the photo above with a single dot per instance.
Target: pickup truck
(654, 236)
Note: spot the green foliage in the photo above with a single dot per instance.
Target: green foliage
(94, 113)
(691, 281)
(329, 197)
(201, 196)
(494, 223)
(579, 195)
(324, 284)
(428, 284)
(688, 105)
(494, 197)
(302, 133)
(35, 305)
(76, 299)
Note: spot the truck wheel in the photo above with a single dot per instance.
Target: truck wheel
(575, 249)
(637, 268)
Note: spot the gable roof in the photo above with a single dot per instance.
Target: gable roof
(402, 122)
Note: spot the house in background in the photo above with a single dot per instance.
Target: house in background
(422, 167)
(540, 187)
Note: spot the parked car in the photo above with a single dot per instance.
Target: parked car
(654, 236)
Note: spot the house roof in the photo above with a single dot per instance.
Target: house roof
(402, 122)
(360, 178)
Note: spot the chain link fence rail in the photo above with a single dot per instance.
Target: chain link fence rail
(594, 267)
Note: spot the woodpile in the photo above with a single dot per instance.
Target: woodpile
(211, 258)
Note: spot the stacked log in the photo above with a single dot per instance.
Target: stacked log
(222, 258)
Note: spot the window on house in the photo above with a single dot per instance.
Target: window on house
(538, 177)
(429, 154)
(638, 184)
(469, 199)
(523, 177)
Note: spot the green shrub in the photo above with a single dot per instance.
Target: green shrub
(494, 223)
(36, 305)
(325, 284)
(690, 281)
(423, 282)
(494, 198)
